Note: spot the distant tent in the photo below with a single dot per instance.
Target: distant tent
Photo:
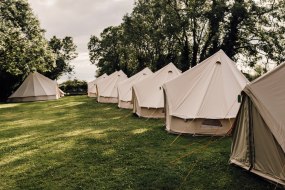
(203, 100)
(148, 96)
(92, 90)
(61, 93)
(125, 88)
(36, 87)
(107, 88)
(259, 130)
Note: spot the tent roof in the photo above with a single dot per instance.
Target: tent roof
(125, 87)
(108, 87)
(36, 85)
(92, 84)
(149, 91)
(208, 90)
(268, 94)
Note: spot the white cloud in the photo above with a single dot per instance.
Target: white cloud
(80, 19)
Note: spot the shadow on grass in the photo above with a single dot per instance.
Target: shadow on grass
(76, 143)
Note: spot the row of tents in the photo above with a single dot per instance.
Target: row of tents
(212, 98)
(203, 100)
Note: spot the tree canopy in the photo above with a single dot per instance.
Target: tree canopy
(64, 51)
(186, 32)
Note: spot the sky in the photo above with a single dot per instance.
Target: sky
(80, 19)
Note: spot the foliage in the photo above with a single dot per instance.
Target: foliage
(22, 44)
(65, 51)
(23, 47)
(188, 31)
(74, 87)
(76, 143)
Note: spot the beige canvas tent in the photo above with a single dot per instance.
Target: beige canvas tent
(61, 93)
(36, 87)
(148, 96)
(203, 100)
(91, 86)
(125, 88)
(107, 88)
(259, 130)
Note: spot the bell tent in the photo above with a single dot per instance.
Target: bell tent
(92, 90)
(107, 88)
(203, 100)
(125, 88)
(259, 130)
(148, 96)
(36, 87)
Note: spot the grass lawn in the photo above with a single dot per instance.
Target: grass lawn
(76, 143)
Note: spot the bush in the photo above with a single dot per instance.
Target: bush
(74, 87)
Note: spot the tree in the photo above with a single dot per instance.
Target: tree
(65, 51)
(74, 87)
(107, 50)
(188, 31)
(22, 45)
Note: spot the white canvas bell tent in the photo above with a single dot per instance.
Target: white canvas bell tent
(107, 88)
(148, 96)
(203, 100)
(36, 87)
(91, 86)
(125, 88)
(259, 130)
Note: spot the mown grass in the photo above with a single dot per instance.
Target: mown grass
(76, 143)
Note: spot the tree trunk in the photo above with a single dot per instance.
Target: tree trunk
(230, 41)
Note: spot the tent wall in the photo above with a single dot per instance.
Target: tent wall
(240, 146)
(147, 112)
(125, 105)
(33, 98)
(268, 155)
(195, 126)
(92, 95)
(261, 153)
(125, 88)
(107, 99)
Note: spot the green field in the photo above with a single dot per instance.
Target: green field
(76, 143)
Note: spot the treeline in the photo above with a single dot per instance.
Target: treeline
(24, 48)
(186, 32)
(74, 87)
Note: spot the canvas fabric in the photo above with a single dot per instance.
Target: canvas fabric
(36, 87)
(107, 88)
(125, 105)
(268, 95)
(125, 88)
(102, 99)
(206, 91)
(254, 146)
(148, 93)
(147, 112)
(91, 86)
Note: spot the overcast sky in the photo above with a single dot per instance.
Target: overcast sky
(80, 19)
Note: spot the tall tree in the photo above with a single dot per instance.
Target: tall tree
(64, 51)
(22, 45)
(188, 31)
